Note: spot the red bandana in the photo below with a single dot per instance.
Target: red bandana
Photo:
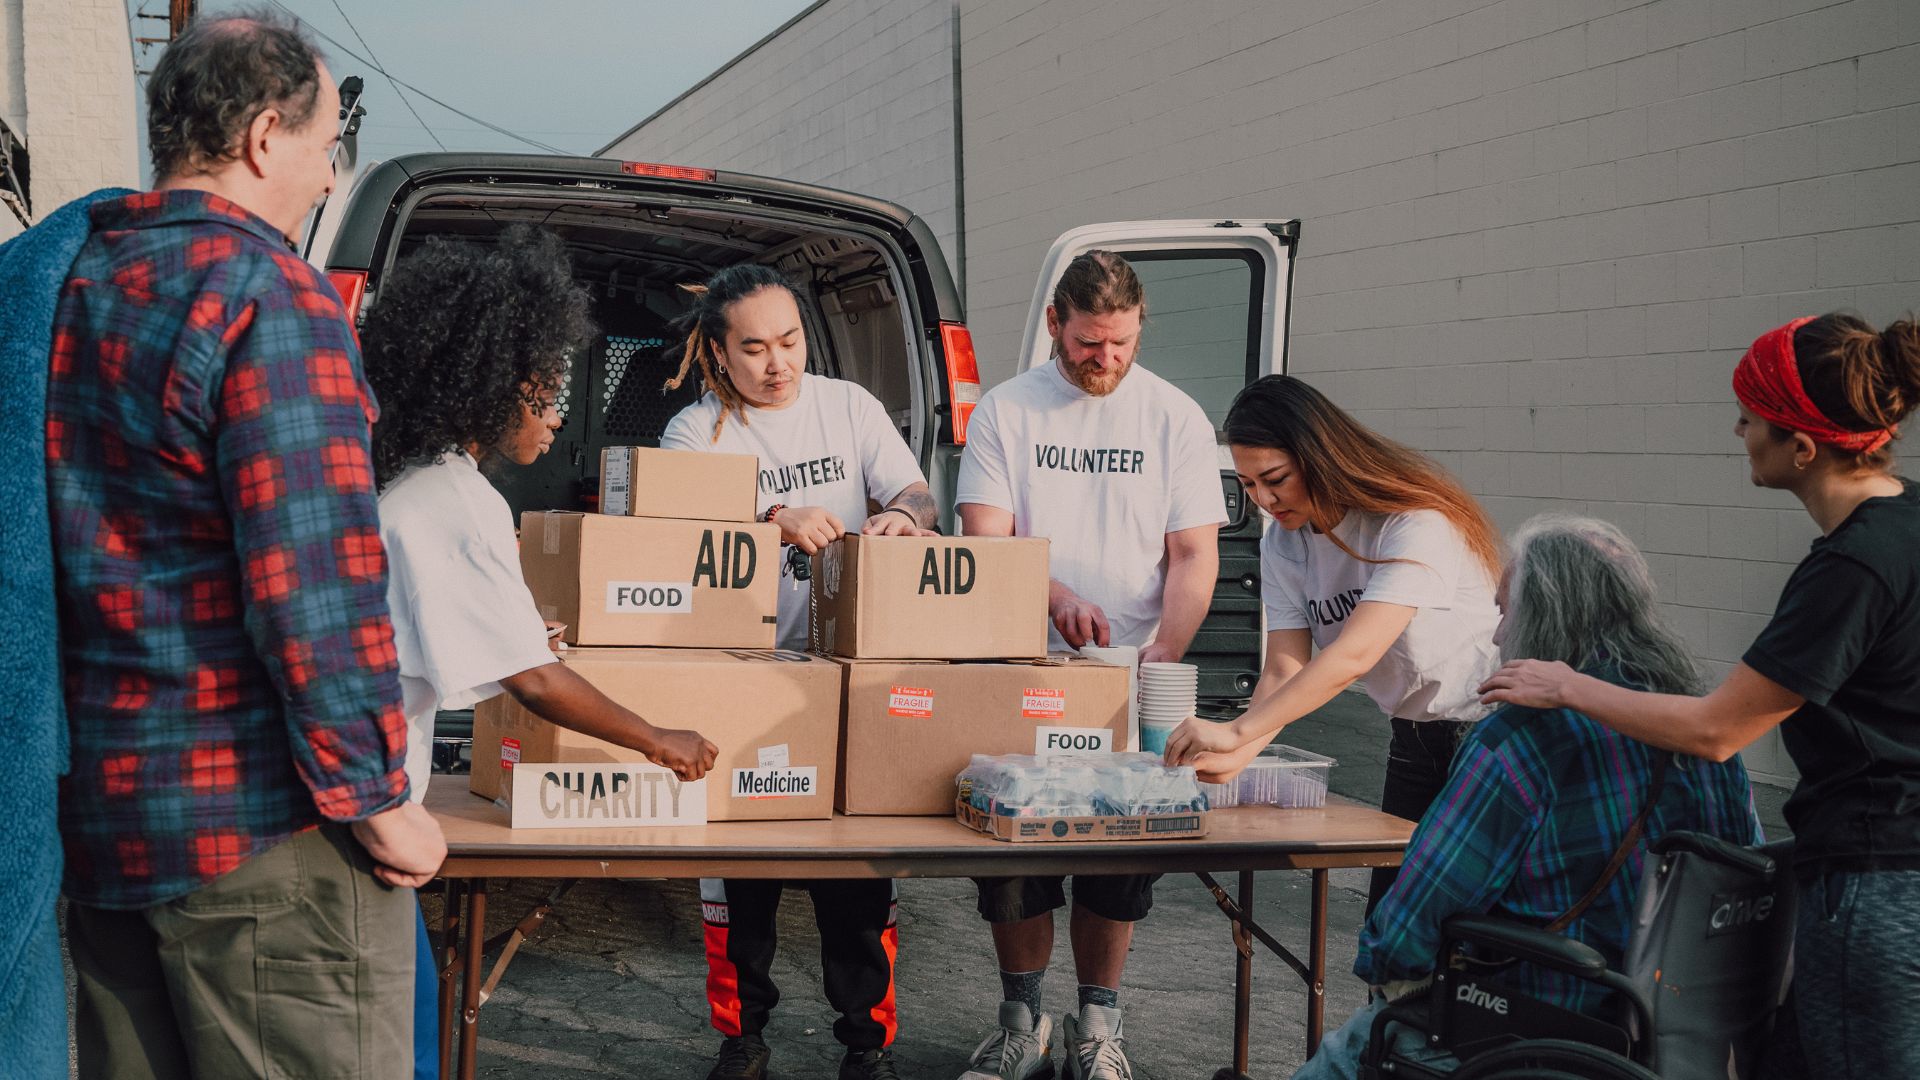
(1767, 382)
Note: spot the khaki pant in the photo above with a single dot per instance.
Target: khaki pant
(297, 964)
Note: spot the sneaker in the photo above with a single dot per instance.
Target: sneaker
(742, 1057)
(868, 1065)
(1020, 1049)
(1095, 1050)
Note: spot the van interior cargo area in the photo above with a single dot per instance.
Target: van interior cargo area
(632, 258)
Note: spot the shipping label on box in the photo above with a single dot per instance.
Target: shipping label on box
(908, 727)
(652, 581)
(948, 598)
(641, 481)
(591, 795)
(774, 715)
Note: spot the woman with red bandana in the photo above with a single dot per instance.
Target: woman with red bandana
(1838, 667)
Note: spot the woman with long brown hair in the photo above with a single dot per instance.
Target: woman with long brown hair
(1379, 568)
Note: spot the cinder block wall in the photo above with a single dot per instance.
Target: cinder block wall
(1538, 233)
(68, 78)
(856, 95)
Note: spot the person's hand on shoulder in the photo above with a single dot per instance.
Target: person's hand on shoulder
(1536, 684)
(685, 752)
(406, 844)
(809, 528)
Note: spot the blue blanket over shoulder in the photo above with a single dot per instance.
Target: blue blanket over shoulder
(33, 1000)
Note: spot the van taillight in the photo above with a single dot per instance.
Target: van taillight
(352, 287)
(963, 375)
(666, 172)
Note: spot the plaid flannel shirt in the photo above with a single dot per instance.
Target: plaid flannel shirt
(1533, 809)
(230, 671)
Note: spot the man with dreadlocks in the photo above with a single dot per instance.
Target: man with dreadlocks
(828, 451)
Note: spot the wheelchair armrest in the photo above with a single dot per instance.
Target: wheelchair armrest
(1528, 943)
(1756, 861)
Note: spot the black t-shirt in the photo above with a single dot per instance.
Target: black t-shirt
(1847, 638)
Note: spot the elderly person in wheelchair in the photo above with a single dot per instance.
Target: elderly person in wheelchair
(1543, 825)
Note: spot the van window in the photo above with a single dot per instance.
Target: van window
(1203, 311)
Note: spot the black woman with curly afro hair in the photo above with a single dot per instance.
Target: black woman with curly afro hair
(465, 350)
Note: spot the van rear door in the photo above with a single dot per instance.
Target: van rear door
(1218, 298)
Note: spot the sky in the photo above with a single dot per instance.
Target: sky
(569, 73)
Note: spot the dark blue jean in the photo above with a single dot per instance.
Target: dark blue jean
(426, 1004)
(1418, 760)
(1856, 979)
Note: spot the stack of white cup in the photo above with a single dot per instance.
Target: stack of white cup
(1167, 696)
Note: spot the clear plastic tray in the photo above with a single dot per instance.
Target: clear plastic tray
(1285, 776)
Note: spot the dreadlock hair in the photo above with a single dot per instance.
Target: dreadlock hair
(1348, 466)
(705, 324)
(464, 339)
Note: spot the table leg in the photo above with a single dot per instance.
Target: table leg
(1317, 964)
(471, 977)
(448, 956)
(1243, 977)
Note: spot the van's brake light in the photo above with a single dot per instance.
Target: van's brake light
(352, 287)
(666, 172)
(963, 375)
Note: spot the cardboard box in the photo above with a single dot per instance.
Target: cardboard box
(1021, 830)
(651, 581)
(945, 597)
(774, 715)
(641, 481)
(909, 727)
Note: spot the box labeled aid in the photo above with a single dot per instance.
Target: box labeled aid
(775, 716)
(909, 727)
(947, 597)
(652, 581)
(641, 481)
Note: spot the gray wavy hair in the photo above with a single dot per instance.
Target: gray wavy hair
(1578, 591)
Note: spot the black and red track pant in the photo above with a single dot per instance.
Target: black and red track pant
(858, 941)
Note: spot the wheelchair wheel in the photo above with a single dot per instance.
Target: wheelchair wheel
(1551, 1059)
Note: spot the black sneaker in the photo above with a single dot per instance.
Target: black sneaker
(743, 1057)
(868, 1065)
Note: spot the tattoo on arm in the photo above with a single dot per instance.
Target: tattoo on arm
(918, 502)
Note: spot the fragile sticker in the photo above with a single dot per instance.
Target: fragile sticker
(1043, 704)
(914, 701)
(775, 783)
(649, 598)
(509, 753)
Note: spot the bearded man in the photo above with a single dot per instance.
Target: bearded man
(1116, 467)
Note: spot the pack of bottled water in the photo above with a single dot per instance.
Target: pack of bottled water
(1090, 785)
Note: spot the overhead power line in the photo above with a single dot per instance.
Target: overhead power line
(397, 81)
(375, 61)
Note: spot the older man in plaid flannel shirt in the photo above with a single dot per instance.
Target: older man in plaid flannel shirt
(241, 853)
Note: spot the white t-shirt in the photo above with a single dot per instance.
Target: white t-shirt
(462, 616)
(1434, 668)
(1104, 478)
(835, 447)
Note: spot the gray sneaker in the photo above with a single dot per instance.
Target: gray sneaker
(1020, 1049)
(1094, 1047)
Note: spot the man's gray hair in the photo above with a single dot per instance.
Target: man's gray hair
(1578, 591)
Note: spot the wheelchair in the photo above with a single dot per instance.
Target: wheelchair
(1707, 966)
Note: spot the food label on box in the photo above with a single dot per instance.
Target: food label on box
(1072, 740)
(604, 796)
(775, 783)
(649, 598)
(914, 701)
(1043, 704)
(509, 753)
